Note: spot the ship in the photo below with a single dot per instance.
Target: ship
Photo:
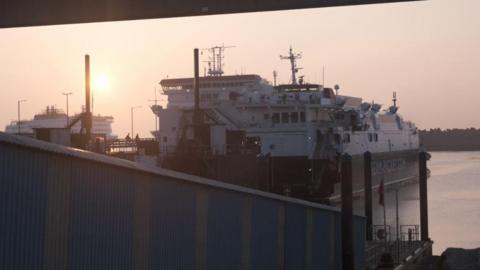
(52, 118)
(286, 139)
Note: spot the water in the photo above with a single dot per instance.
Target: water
(453, 202)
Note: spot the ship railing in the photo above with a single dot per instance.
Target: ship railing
(128, 145)
(206, 150)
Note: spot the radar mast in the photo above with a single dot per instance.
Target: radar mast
(215, 60)
(293, 63)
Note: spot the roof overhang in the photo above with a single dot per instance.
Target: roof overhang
(19, 13)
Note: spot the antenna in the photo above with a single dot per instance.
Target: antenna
(275, 78)
(293, 62)
(394, 99)
(215, 60)
(323, 76)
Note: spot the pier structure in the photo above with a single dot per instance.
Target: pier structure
(63, 208)
(412, 242)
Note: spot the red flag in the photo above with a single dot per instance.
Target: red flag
(381, 192)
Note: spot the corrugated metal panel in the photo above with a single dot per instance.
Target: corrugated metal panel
(58, 208)
(224, 239)
(337, 245)
(323, 239)
(23, 188)
(172, 226)
(101, 220)
(359, 242)
(264, 234)
(295, 231)
(63, 210)
(142, 219)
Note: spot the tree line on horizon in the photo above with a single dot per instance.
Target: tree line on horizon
(450, 139)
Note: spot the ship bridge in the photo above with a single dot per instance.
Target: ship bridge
(219, 82)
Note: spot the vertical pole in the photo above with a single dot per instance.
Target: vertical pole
(196, 79)
(347, 214)
(196, 84)
(88, 116)
(397, 214)
(367, 173)
(270, 173)
(131, 121)
(423, 156)
(66, 96)
(385, 225)
(68, 120)
(18, 114)
(398, 226)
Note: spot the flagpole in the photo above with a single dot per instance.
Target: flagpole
(386, 260)
(385, 223)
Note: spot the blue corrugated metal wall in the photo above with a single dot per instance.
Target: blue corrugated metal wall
(61, 209)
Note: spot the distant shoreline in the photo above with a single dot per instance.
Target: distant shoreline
(451, 140)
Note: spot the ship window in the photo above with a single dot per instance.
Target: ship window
(346, 138)
(165, 139)
(370, 137)
(302, 117)
(276, 118)
(266, 116)
(285, 117)
(294, 117)
(376, 137)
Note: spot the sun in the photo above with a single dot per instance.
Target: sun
(102, 82)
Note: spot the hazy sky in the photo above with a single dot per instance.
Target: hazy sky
(429, 52)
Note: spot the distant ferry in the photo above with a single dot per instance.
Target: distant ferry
(53, 117)
(285, 139)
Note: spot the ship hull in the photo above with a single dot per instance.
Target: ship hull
(292, 176)
(395, 168)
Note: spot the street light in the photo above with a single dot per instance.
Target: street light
(18, 107)
(131, 115)
(66, 95)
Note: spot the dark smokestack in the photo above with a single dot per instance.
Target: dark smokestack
(196, 80)
(88, 114)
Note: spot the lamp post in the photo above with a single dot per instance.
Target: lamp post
(131, 116)
(18, 107)
(66, 95)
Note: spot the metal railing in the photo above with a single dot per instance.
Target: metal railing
(400, 248)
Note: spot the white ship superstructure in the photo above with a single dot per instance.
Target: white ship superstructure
(53, 117)
(301, 127)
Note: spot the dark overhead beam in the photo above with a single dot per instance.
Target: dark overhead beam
(18, 13)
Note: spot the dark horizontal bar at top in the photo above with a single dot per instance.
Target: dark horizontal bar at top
(19, 13)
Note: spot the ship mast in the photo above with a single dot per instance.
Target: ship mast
(215, 61)
(293, 63)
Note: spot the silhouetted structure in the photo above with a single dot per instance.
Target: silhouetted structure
(16, 13)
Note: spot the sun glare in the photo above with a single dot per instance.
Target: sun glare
(102, 83)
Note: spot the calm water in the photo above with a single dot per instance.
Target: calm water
(454, 201)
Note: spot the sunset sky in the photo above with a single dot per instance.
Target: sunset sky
(428, 52)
